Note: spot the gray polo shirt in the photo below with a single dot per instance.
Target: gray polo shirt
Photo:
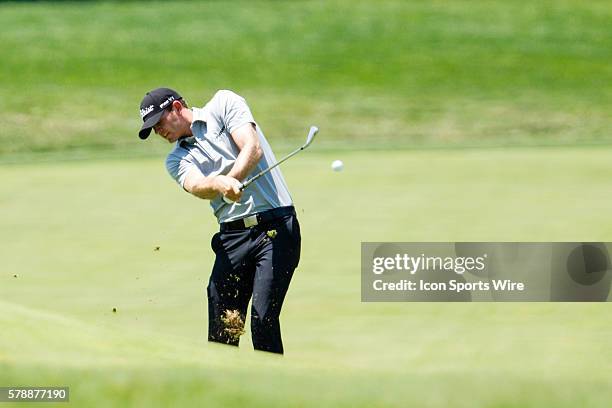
(213, 151)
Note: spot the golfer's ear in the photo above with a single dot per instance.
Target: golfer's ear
(177, 105)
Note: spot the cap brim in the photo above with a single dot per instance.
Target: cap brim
(145, 130)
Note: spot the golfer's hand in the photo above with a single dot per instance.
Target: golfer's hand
(228, 187)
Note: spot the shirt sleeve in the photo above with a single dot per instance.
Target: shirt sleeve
(235, 110)
(178, 166)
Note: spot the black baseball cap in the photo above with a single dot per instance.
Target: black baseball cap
(152, 108)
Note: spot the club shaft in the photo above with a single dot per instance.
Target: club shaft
(261, 173)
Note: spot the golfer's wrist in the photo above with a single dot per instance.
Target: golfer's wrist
(217, 185)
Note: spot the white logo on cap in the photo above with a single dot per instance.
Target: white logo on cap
(166, 102)
(144, 112)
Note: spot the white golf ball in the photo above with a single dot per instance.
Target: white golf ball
(337, 165)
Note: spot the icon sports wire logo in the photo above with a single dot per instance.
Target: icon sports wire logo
(414, 264)
(486, 271)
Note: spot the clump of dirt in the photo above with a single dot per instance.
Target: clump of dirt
(234, 325)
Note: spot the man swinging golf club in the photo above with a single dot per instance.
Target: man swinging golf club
(257, 248)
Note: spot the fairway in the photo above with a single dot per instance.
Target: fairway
(480, 120)
(85, 244)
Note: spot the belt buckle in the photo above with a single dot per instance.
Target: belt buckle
(250, 221)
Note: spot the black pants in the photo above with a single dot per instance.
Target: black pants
(258, 262)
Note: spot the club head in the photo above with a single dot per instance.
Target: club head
(311, 135)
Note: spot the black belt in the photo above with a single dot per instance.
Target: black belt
(256, 219)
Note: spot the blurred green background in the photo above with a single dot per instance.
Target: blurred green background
(384, 74)
(456, 121)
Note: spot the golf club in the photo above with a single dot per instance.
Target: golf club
(311, 135)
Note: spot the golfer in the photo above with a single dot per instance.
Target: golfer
(257, 247)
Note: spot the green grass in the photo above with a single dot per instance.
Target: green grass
(389, 73)
(413, 85)
(80, 238)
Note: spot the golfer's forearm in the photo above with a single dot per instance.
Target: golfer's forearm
(202, 187)
(247, 159)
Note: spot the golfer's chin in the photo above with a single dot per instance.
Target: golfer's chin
(172, 138)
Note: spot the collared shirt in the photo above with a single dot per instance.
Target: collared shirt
(213, 151)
